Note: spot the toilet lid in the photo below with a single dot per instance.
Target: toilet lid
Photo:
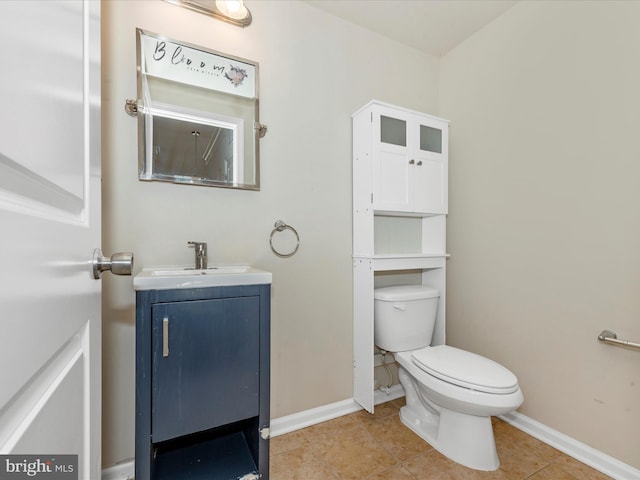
(465, 369)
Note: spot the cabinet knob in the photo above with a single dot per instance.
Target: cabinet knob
(419, 163)
(412, 161)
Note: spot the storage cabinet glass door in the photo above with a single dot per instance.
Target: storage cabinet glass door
(430, 172)
(391, 160)
(205, 364)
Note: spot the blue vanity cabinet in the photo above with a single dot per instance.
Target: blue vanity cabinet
(202, 383)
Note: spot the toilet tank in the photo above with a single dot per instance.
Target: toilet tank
(404, 317)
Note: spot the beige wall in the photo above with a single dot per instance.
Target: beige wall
(314, 72)
(544, 219)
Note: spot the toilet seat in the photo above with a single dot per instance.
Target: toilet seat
(465, 369)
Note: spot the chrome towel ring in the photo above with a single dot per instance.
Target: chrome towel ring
(280, 226)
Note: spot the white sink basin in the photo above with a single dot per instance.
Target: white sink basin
(183, 277)
(183, 272)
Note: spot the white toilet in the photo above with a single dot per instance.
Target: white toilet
(451, 394)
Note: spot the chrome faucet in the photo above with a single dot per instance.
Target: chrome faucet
(201, 254)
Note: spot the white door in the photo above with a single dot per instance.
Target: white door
(50, 340)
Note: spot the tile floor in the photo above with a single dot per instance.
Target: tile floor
(362, 446)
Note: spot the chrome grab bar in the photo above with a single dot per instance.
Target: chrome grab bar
(608, 336)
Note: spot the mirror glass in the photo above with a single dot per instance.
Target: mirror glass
(197, 115)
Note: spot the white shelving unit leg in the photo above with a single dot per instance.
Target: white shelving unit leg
(363, 382)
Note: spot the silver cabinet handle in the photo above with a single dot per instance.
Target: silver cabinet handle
(118, 263)
(165, 337)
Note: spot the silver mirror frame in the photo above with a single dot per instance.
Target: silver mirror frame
(138, 109)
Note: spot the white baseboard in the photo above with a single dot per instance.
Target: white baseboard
(296, 421)
(578, 450)
(121, 471)
(581, 452)
(306, 418)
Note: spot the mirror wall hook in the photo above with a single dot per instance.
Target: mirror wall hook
(131, 107)
(261, 129)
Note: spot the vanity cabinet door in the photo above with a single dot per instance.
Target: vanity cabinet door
(205, 365)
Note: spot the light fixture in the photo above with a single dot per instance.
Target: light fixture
(232, 11)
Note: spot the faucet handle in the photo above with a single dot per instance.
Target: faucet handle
(201, 254)
(199, 246)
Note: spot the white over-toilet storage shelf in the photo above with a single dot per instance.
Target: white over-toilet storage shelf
(400, 202)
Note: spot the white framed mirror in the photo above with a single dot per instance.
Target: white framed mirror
(197, 112)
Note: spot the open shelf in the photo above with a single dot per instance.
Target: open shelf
(225, 457)
(409, 261)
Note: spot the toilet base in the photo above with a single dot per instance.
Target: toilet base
(465, 439)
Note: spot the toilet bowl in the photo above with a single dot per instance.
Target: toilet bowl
(450, 394)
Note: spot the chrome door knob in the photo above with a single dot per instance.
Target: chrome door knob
(118, 263)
